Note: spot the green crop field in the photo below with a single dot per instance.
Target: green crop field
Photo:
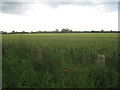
(63, 60)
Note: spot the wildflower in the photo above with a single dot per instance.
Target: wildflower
(65, 70)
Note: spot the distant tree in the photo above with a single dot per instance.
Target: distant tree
(63, 30)
(3, 32)
(44, 31)
(57, 30)
(39, 31)
(13, 32)
(102, 30)
(18, 32)
(92, 31)
(70, 31)
(31, 32)
(111, 31)
(23, 31)
(67, 30)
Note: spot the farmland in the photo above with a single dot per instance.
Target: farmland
(65, 60)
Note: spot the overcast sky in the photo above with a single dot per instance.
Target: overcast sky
(78, 15)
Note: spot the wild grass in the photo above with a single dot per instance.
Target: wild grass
(39, 60)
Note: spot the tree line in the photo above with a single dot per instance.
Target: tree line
(64, 30)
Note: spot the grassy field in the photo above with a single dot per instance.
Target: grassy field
(70, 60)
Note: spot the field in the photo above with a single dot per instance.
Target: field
(69, 60)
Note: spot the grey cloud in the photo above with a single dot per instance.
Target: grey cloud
(57, 4)
(19, 8)
(60, 0)
(18, 0)
(0, 6)
(14, 7)
(109, 6)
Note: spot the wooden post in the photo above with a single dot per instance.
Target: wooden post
(40, 56)
(101, 60)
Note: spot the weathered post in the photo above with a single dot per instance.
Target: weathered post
(101, 60)
(40, 57)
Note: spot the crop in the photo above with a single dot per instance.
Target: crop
(69, 60)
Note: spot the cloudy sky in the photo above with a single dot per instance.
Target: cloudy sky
(78, 15)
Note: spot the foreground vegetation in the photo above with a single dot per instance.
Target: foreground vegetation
(60, 60)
